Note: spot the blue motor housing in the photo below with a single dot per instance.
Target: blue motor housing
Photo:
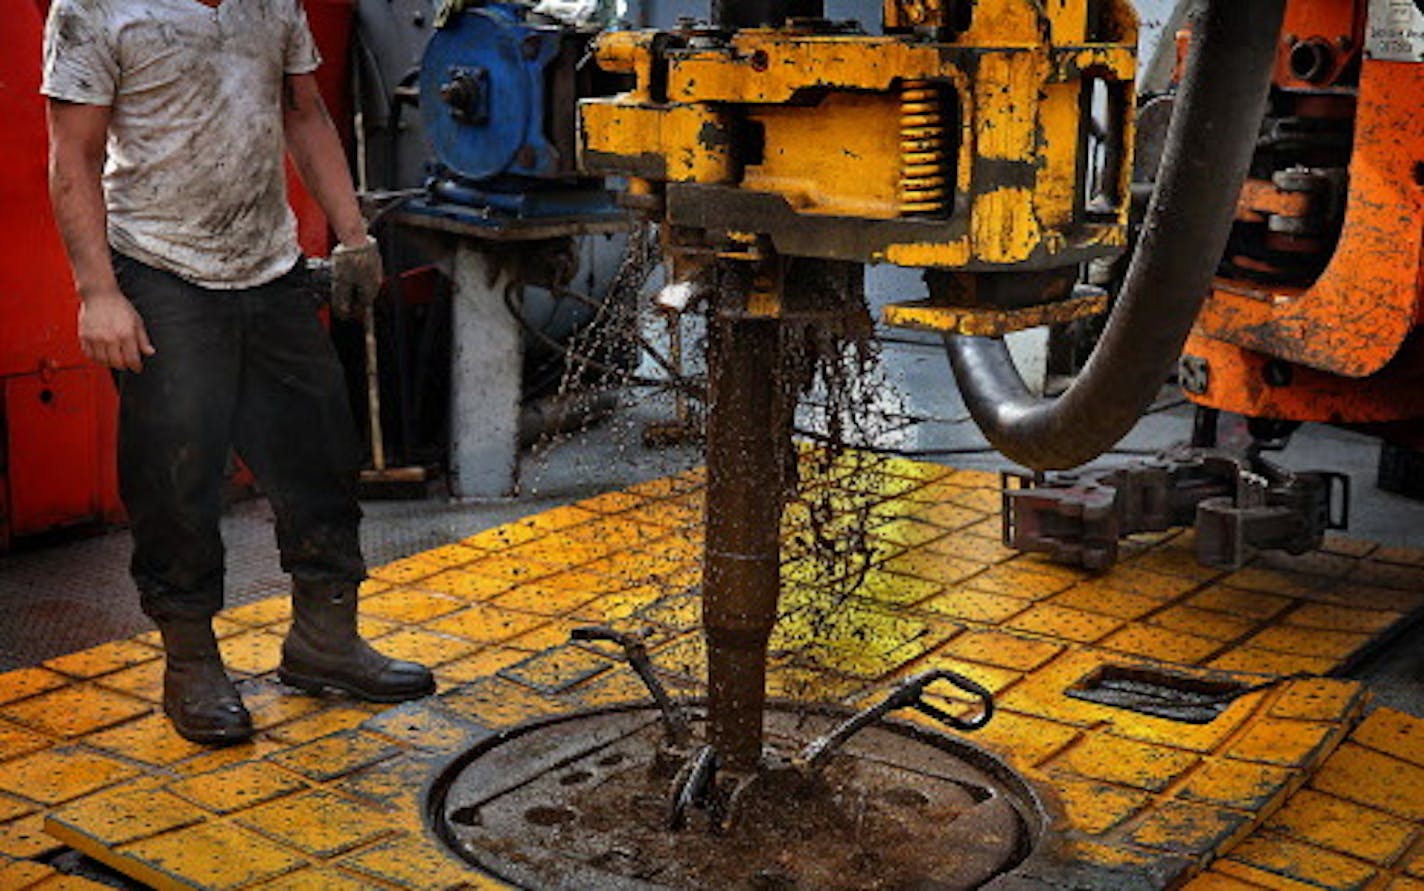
(484, 84)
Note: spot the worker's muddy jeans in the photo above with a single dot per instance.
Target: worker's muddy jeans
(250, 370)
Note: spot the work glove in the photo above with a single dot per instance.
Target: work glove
(356, 275)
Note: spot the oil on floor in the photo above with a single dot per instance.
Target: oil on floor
(1296, 784)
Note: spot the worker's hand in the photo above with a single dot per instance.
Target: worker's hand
(111, 332)
(356, 275)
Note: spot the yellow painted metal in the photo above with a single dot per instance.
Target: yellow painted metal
(770, 67)
(764, 298)
(848, 174)
(330, 787)
(1353, 828)
(987, 129)
(697, 149)
(1058, 186)
(629, 52)
(986, 321)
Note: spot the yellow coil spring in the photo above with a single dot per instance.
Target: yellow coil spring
(923, 188)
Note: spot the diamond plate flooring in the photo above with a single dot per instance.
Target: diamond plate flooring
(1290, 786)
(73, 591)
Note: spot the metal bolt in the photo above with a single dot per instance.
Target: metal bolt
(465, 94)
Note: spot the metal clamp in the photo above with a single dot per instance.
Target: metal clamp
(908, 694)
(695, 787)
(675, 722)
(1237, 502)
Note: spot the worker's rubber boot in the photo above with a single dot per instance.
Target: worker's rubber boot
(323, 649)
(198, 696)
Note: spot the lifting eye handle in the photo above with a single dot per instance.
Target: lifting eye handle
(909, 693)
(1209, 147)
(675, 721)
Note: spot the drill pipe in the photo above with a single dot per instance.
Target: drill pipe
(748, 430)
(1209, 147)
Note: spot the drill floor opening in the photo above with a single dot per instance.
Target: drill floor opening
(1159, 692)
(581, 802)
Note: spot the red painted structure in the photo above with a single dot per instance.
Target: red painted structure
(57, 410)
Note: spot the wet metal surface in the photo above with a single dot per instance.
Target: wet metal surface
(1356, 824)
(329, 793)
(579, 803)
(748, 435)
(74, 592)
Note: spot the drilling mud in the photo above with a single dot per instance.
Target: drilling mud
(582, 803)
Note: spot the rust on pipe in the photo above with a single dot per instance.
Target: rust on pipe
(748, 429)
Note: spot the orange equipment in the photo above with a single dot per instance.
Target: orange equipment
(1317, 309)
(57, 411)
(1314, 311)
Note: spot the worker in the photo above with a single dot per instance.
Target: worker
(193, 289)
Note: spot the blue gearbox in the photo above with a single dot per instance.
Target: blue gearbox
(484, 84)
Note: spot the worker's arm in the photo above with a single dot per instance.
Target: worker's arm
(321, 162)
(110, 329)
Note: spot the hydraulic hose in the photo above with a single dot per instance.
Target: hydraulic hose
(1209, 146)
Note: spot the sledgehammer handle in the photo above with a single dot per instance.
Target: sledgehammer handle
(373, 392)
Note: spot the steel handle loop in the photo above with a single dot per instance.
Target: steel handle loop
(675, 721)
(908, 694)
(920, 682)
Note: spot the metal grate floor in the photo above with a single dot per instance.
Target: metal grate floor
(328, 795)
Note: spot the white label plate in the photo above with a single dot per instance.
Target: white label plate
(1395, 31)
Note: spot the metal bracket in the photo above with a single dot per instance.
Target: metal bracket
(695, 788)
(908, 694)
(1291, 516)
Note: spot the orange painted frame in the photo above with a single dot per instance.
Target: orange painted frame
(1238, 382)
(1356, 317)
(1328, 20)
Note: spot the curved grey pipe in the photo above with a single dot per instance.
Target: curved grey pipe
(1209, 146)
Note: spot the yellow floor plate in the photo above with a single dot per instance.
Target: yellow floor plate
(1269, 794)
(1355, 824)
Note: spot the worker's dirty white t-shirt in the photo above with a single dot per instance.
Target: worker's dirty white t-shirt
(195, 179)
